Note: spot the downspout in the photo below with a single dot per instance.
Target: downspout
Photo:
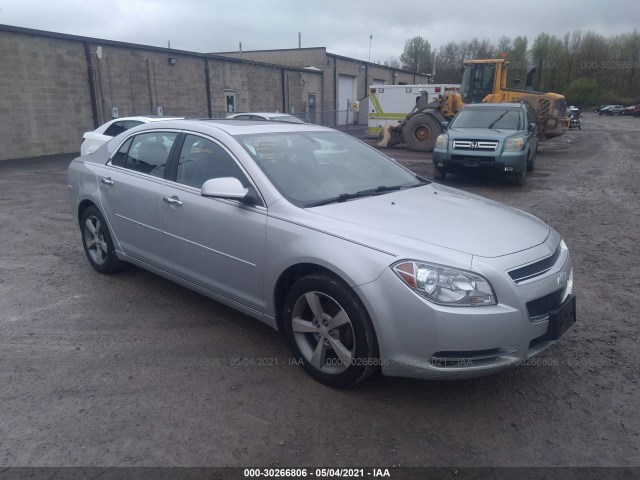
(208, 86)
(149, 85)
(92, 86)
(284, 107)
(335, 93)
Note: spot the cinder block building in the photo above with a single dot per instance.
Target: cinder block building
(345, 79)
(56, 86)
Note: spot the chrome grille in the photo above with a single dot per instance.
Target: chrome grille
(484, 145)
(535, 269)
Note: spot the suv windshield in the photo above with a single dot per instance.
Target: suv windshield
(496, 118)
(312, 168)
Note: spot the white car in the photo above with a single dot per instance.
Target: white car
(259, 116)
(91, 141)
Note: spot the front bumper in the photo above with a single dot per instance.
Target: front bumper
(467, 161)
(423, 340)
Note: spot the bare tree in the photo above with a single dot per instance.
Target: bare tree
(416, 55)
(392, 62)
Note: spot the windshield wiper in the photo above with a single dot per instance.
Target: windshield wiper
(343, 197)
(497, 120)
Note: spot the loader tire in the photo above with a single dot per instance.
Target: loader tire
(420, 133)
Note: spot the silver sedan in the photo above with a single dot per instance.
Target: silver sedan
(364, 265)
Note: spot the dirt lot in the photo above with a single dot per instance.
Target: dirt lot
(132, 370)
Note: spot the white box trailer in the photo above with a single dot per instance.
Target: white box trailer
(390, 104)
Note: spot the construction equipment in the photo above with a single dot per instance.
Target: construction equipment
(389, 104)
(483, 81)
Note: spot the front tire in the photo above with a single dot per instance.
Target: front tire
(439, 173)
(420, 133)
(519, 178)
(531, 164)
(329, 331)
(97, 242)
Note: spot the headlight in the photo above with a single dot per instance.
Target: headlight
(445, 285)
(514, 144)
(441, 141)
(563, 246)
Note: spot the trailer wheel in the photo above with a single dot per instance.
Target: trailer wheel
(420, 133)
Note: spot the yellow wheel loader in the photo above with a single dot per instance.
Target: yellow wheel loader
(483, 81)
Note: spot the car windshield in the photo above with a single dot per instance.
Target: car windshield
(313, 168)
(506, 119)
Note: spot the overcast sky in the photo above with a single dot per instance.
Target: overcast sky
(344, 27)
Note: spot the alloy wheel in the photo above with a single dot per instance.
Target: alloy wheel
(323, 332)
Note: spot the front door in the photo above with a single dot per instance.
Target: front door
(312, 108)
(216, 244)
(230, 102)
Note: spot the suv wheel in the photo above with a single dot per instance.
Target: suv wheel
(519, 178)
(439, 173)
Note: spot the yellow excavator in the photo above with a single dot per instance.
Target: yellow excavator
(482, 81)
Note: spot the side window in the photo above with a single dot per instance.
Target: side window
(121, 155)
(202, 160)
(149, 152)
(115, 128)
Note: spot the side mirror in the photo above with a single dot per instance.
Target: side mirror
(444, 125)
(224, 187)
(532, 127)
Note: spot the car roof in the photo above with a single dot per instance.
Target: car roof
(234, 127)
(151, 118)
(264, 114)
(487, 106)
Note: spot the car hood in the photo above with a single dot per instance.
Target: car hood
(441, 216)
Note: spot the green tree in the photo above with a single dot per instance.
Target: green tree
(416, 55)
(517, 57)
(582, 91)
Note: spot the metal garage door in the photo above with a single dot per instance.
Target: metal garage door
(346, 94)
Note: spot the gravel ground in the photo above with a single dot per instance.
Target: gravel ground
(133, 370)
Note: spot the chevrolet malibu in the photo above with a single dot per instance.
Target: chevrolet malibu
(364, 265)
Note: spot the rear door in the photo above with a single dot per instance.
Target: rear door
(131, 191)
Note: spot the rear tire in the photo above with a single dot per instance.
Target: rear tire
(329, 331)
(420, 133)
(97, 242)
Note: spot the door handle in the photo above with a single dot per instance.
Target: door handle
(107, 181)
(173, 201)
